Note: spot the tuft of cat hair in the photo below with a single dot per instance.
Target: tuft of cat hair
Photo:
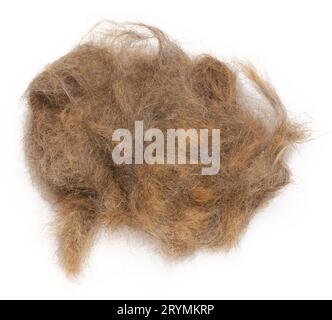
(132, 72)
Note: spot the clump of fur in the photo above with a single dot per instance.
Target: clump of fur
(135, 72)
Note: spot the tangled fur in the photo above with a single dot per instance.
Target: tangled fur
(135, 72)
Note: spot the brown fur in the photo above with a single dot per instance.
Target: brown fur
(133, 73)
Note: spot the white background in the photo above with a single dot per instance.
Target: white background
(286, 252)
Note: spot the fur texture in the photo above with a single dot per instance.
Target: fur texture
(134, 72)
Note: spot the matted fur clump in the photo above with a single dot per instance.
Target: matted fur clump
(135, 73)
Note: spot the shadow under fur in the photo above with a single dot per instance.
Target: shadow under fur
(134, 72)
